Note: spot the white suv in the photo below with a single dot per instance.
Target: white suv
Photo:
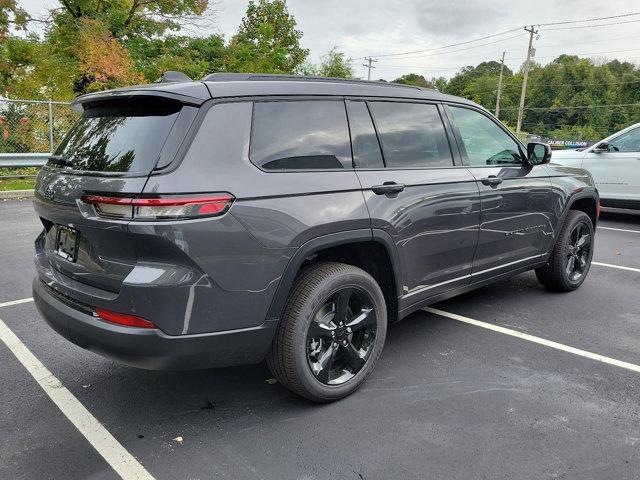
(615, 165)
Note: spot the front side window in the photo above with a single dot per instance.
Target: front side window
(627, 142)
(484, 141)
(412, 135)
(300, 135)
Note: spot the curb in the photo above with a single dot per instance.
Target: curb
(15, 194)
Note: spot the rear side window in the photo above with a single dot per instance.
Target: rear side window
(412, 135)
(366, 149)
(300, 135)
(120, 137)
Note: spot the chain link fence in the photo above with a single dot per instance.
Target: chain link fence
(33, 126)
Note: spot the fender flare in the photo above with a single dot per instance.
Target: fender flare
(326, 241)
(590, 193)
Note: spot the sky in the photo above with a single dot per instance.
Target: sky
(362, 28)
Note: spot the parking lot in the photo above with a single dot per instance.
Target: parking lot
(452, 396)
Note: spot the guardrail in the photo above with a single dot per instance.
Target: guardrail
(30, 130)
(23, 159)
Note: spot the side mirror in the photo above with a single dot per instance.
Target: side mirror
(602, 147)
(538, 153)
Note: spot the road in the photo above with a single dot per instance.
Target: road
(447, 399)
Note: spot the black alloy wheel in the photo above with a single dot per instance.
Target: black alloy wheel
(341, 336)
(331, 333)
(570, 260)
(578, 251)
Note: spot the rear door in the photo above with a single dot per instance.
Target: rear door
(111, 150)
(515, 198)
(617, 171)
(415, 192)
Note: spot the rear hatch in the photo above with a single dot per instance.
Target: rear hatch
(118, 142)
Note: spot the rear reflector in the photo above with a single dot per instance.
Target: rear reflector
(124, 319)
(162, 207)
(598, 210)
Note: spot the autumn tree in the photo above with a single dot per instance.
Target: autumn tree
(267, 40)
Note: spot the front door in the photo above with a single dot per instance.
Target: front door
(616, 172)
(415, 193)
(515, 198)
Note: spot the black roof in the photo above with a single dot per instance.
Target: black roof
(225, 85)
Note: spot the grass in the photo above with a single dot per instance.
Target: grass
(17, 183)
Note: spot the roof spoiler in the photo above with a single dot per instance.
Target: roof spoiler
(174, 76)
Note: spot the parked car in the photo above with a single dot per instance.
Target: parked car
(615, 165)
(242, 217)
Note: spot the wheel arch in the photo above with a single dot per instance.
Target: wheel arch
(330, 247)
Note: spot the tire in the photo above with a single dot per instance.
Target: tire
(556, 274)
(297, 356)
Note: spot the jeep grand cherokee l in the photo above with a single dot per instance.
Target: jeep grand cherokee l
(193, 224)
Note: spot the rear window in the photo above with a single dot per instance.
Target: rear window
(300, 135)
(120, 137)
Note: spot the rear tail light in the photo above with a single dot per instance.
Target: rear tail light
(161, 207)
(124, 319)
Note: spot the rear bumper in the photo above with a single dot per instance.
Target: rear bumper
(150, 348)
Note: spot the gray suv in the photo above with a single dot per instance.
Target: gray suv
(195, 224)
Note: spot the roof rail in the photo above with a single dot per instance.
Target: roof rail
(238, 77)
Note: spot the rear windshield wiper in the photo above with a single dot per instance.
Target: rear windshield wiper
(60, 160)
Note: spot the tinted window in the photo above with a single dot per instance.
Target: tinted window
(366, 149)
(300, 135)
(412, 135)
(120, 137)
(627, 142)
(484, 141)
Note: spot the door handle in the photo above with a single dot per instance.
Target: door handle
(387, 188)
(491, 181)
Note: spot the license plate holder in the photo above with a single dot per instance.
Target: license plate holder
(67, 243)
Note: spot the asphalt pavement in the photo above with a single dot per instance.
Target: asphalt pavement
(447, 400)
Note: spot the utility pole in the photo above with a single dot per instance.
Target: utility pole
(499, 85)
(532, 31)
(369, 66)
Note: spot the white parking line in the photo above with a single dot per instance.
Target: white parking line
(619, 267)
(99, 437)
(16, 302)
(618, 229)
(534, 339)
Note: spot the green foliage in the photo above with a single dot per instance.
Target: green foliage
(267, 40)
(332, 64)
(553, 92)
(414, 79)
(196, 57)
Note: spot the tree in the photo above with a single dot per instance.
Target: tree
(332, 64)
(124, 19)
(267, 40)
(196, 57)
(414, 79)
(11, 15)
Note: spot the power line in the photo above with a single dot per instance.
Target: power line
(589, 19)
(493, 35)
(613, 105)
(590, 26)
(446, 46)
(461, 49)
